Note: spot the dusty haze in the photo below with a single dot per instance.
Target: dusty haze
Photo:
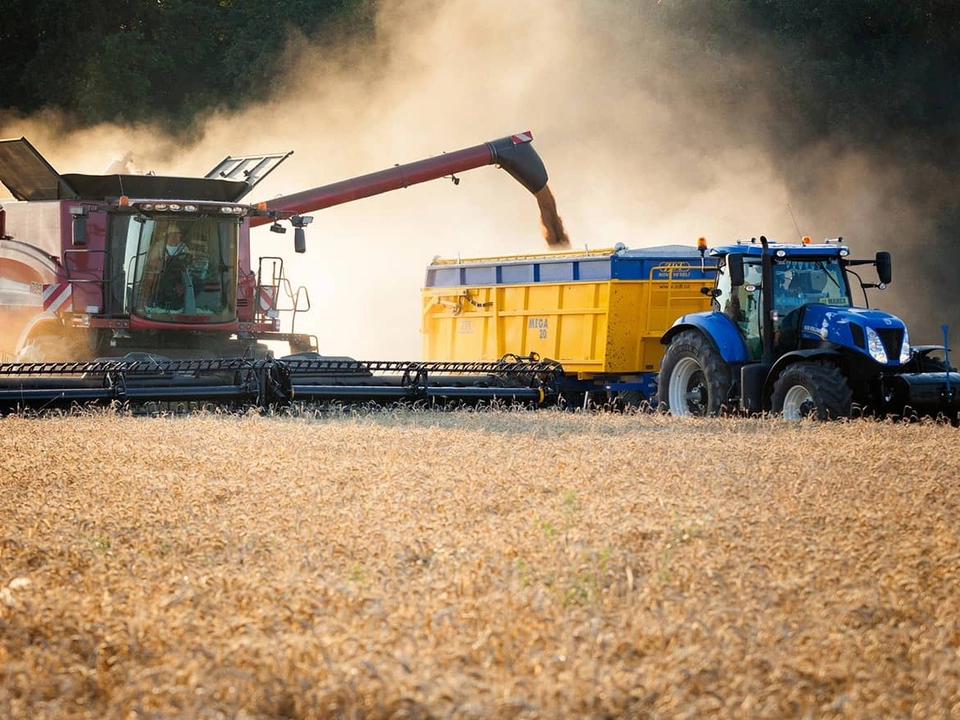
(639, 131)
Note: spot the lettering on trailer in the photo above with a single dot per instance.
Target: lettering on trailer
(58, 297)
(675, 269)
(540, 324)
(465, 327)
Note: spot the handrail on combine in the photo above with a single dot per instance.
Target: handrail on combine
(279, 285)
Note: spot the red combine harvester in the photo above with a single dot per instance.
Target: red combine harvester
(114, 285)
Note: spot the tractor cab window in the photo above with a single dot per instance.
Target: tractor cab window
(181, 269)
(742, 304)
(798, 284)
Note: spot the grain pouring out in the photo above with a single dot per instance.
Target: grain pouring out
(552, 224)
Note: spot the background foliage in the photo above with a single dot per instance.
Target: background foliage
(871, 69)
(134, 60)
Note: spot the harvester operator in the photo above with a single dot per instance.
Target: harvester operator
(173, 262)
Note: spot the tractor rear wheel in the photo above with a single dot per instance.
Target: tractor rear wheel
(694, 379)
(812, 389)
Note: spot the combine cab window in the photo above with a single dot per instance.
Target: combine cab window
(176, 269)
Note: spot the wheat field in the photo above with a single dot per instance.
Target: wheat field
(401, 564)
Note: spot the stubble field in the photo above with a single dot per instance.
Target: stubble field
(472, 565)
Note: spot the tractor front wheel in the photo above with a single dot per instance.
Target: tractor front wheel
(812, 389)
(694, 379)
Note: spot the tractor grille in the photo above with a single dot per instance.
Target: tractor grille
(892, 340)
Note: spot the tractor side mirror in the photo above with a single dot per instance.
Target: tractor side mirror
(735, 269)
(884, 267)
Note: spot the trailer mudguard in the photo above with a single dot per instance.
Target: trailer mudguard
(719, 329)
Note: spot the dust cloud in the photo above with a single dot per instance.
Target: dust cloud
(647, 139)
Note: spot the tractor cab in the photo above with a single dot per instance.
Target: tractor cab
(802, 275)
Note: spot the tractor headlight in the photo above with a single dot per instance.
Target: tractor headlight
(875, 347)
(905, 352)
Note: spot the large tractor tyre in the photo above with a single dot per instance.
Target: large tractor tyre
(694, 378)
(817, 390)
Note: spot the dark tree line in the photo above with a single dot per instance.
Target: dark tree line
(870, 68)
(134, 60)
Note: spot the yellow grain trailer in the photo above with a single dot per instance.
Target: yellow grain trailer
(599, 313)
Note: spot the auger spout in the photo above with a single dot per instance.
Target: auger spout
(513, 153)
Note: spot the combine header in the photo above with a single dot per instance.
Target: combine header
(270, 384)
(123, 286)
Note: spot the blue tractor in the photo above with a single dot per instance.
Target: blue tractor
(785, 336)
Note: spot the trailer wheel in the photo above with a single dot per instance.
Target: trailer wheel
(694, 378)
(812, 389)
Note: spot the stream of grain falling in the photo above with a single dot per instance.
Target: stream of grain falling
(551, 222)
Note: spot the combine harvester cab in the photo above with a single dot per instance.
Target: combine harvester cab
(784, 335)
(110, 283)
(599, 313)
(107, 265)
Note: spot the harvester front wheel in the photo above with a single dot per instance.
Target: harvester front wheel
(817, 390)
(694, 379)
(46, 348)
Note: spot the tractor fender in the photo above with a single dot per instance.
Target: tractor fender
(718, 329)
(787, 359)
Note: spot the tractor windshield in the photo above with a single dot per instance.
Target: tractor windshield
(179, 269)
(798, 282)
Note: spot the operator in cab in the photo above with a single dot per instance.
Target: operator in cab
(169, 260)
